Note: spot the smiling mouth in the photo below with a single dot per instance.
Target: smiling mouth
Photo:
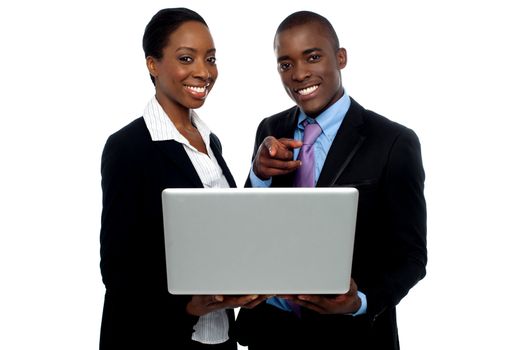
(197, 89)
(307, 91)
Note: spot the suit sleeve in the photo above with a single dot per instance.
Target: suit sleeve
(125, 245)
(405, 212)
(120, 215)
(261, 133)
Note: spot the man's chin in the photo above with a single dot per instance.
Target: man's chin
(311, 111)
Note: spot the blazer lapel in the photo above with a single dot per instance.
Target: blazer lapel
(286, 128)
(347, 142)
(216, 148)
(288, 125)
(175, 152)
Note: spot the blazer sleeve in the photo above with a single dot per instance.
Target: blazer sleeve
(125, 246)
(120, 215)
(261, 133)
(405, 213)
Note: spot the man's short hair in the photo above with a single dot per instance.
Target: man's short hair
(305, 17)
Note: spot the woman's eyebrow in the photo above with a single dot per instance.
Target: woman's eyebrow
(186, 48)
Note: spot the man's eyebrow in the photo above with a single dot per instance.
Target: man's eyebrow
(305, 52)
(313, 49)
(282, 58)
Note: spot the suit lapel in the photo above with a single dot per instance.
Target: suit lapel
(175, 152)
(286, 128)
(347, 142)
(219, 157)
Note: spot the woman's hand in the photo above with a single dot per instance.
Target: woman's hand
(203, 304)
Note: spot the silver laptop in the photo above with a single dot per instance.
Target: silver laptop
(259, 241)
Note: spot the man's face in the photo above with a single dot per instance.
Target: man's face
(309, 67)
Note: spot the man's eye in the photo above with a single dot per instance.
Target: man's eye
(313, 58)
(284, 66)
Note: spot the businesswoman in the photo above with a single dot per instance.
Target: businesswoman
(169, 146)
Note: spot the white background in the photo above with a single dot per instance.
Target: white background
(71, 73)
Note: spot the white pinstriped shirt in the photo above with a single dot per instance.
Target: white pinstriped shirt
(211, 328)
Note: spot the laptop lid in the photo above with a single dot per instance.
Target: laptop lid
(259, 240)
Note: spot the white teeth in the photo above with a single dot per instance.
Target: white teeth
(199, 89)
(308, 90)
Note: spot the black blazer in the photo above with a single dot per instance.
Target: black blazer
(382, 160)
(139, 313)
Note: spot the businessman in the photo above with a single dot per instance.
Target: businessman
(328, 139)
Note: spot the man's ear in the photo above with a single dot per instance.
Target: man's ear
(341, 58)
(152, 66)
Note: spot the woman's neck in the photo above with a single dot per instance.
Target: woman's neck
(179, 115)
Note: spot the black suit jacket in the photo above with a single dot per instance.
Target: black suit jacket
(139, 313)
(382, 160)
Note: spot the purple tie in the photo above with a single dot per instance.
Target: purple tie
(305, 175)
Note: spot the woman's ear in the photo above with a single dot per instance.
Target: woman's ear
(152, 66)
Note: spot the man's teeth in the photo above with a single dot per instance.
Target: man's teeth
(199, 89)
(308, 90)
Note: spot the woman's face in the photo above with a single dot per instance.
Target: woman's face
(187, 71)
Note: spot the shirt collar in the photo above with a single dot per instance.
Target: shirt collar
(330, 119)
(161, 128)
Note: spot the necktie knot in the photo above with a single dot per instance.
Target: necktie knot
(305, 175)
(311, 132)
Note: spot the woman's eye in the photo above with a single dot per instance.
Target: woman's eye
(185, 59)
(211, 60)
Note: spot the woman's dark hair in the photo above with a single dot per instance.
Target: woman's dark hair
(162, 25)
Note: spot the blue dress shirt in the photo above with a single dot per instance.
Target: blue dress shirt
(330, 121)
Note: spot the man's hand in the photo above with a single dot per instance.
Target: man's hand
(203, 304)
(348, 303)
(275, 157)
